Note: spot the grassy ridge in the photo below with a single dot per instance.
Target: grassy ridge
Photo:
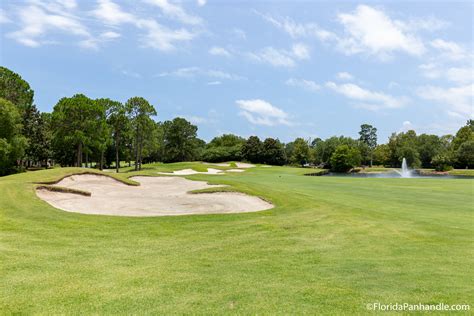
(330, 246)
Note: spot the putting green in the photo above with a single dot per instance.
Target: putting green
(331, 245)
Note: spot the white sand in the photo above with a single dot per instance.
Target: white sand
(156, 196)
(186, 172)
(244, 165)
(235, 170)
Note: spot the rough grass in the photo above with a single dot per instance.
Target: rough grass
(330, 246)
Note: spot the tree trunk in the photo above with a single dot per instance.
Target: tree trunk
(101, 166)
(137, 144)
(141, 149)
(79, 155)
(117, 160)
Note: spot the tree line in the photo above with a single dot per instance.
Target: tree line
(82, 131)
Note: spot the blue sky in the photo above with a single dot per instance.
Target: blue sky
(284, 69)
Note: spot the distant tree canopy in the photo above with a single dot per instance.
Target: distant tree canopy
(12, 143)
(82, 131)
(227, 147)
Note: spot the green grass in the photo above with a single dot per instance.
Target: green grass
(454, 172)
(330, 246)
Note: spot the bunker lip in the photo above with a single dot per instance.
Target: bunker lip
(155, 196)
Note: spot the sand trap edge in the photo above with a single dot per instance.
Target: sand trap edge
(132, 183)
(55, 188)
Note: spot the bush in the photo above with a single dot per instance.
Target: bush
(345, 158)
(221, 154)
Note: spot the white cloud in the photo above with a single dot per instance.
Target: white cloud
(454, 74)
(427, 24)
(460, 75)
(297, 30)
(195, 119)
(274, 57)
(372, 100)
(176, 12)
(193, 72)
(111, 13)
(109, 35)
(373, 32)
(449, 50)
(301, 51)
(161, 37)
(36, 21)
(344, 76)
(201, 2)
(457, 100)
(406, 126)
(239, 33)
(303, 83)
(261, 112)
(219, 51)
(214, 83)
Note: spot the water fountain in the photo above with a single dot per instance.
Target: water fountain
(405, 173)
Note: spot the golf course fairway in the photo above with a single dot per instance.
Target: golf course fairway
(331, 245)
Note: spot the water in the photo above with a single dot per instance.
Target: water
(405, 173)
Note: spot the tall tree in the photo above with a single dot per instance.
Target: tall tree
(180, 141)
(16, 90)
(252, 150)
(12, 143)
(74, 125)
(300, 153)
(36, 129)
(139, 111)
(273, 152)
(119, 124)
(368, 136)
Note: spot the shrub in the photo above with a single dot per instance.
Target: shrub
(442, 162)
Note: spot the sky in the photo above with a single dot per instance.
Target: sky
(281, 69)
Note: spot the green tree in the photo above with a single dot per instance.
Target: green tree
(273, 152)
(428, 146)
(368, 136)
(139, 111)
(465, 154)
(119, 125)
(12, 143)
(442, 162)
(464, 134)
(382, 155)
(300, 153)
(344, 158)
(180, 141)
(252, 150)
(224, 148)
(74, 127)
(16, 90)
(36, 129)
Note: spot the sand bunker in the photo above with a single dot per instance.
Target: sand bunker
(235, 170)
(156, 196)
(186, 172)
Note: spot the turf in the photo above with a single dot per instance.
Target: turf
(330, 246)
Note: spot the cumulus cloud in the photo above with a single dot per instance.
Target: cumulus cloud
(219, 51)
(371, 100)
(450, 50)
(372, 31)
(303, 83)
(261, 112)
(111, 13)
(458, 101)
(300, 51)
(201, 2)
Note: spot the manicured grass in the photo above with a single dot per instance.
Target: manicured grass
(454, 172)
(330, 246)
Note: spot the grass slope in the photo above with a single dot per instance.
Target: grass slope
(330, 246)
